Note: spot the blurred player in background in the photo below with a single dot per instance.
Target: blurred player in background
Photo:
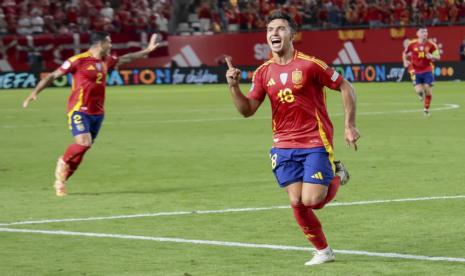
(421, 53)
(410, 70)
(302, 155)
(86, 102)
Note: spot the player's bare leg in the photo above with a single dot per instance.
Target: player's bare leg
(428, 96)
(61, 172)
(313, 194)
(67, 163)
(341, 178)
(420, 92)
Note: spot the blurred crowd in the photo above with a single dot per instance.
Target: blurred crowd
(29, 17)
(243, 15)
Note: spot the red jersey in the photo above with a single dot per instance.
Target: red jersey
(298, 102)
(418, 52)
(89, 81)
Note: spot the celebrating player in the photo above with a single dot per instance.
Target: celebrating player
(302, 155)
(85, 104)
(421, 53)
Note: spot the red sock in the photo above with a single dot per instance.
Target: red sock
(332, 191)
(428, 100)
(310, 225)
(73, 157)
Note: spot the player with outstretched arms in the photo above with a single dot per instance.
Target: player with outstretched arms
(420, 54)
(302, 154)
(86, 102)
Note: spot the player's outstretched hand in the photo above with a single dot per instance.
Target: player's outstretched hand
(352, 135)
(30, 98)
(233, 74)
(153, 44)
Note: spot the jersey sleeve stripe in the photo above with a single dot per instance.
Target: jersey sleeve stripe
(79, 56)
(260, 67)
(321, 63)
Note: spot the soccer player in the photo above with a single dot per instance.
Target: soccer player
(86, 102)
(421, 53)
(410, 70)
(302, 155)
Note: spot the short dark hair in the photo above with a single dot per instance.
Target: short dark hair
(421, 27)
(284, 16)
(97, 37)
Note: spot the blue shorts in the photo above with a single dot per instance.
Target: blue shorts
(424, 78)
(80, 123)
(313, 165)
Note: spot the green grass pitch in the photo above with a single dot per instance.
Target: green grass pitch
(181, 148)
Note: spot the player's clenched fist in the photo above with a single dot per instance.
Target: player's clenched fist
(233, 74)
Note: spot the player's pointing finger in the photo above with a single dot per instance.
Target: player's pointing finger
(228, 61)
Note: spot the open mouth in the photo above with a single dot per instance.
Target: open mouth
(275, 41)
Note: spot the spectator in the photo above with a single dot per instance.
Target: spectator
(309, 14)
(49, 25)
(162, 23)
(72, 14)
(107, 11)
(3, 24)
(37, 23)
(204, 14)
(24, 24)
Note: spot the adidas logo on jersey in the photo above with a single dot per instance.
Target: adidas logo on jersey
(271, 82)
(91, 67)
(318, 175)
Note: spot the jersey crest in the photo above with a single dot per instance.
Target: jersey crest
(297, 77)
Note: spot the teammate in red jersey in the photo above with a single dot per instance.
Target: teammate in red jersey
(410, 70)
(85, 104)
(421, 53)
(302, 155)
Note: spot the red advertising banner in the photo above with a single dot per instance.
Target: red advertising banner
(47, 52)
(334, 47)
(247, 49)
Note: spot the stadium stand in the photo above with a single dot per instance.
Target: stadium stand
(242, 15)
(29, 17)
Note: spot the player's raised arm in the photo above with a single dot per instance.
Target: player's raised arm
(247, 107)
(41, 85)
(153, 44)
(351, 132)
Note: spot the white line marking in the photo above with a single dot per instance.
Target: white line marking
(231, 210)
(230, 244)
(238, 118)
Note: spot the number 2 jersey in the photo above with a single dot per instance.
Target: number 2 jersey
(298, 102)
(89, 81)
